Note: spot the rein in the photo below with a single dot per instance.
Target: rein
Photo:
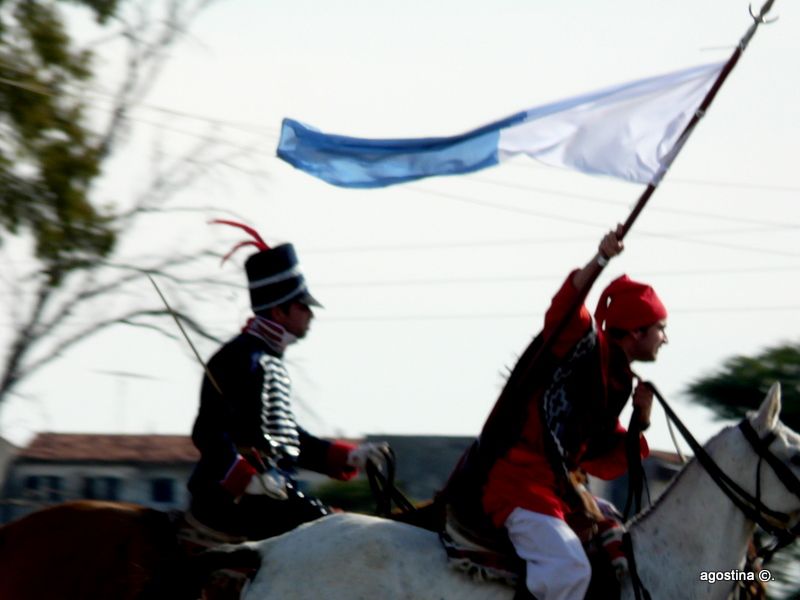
(751, 506)
(383, 487)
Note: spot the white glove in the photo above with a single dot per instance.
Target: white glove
(375, 452)
(270, 483)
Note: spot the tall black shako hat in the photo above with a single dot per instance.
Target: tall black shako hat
(273, 274)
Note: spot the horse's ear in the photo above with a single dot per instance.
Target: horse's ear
(766, 419)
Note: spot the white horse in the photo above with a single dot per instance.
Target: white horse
(693, 529)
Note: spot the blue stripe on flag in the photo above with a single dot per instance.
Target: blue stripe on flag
(626, 131)
(366, 163)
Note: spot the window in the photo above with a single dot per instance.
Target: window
(43, 487)
(163, 489)
(101, 488)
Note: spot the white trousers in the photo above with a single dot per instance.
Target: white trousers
(557, 567)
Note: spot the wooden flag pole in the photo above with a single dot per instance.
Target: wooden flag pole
(527, 367)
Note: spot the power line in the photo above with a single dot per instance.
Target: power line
(661, 209)
(679, 180)
(501, 207)
(530, 278)
(104, 95)
(265, 131)
(253, 149)
(710, 310)
(733, 184)
(274, 132)
(441, 245)
(534, 315)
(709, 243)
(501, 279)
(595, 225)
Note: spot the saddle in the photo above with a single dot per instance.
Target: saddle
(195, 537)
(487, 554)
(482, 555)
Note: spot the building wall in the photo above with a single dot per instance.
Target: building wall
(7, 451)
(424, 462)
(423, 465)
(134, 483)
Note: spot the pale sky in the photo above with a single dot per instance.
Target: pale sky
(433, 288)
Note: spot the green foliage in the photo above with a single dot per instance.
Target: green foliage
(48, 157)
(351, 496)
(742, 382)
(103, 9)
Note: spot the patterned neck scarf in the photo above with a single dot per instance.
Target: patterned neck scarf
(272, 334)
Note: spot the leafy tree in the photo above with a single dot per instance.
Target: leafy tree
(49, 159)
(742, 383)
(52, 155)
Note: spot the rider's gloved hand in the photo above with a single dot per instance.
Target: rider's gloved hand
(270, 483)
(368, 451)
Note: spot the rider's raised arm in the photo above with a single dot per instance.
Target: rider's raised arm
(610, 246)
(574, 291)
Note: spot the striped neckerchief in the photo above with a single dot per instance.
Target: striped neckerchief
(272, 334)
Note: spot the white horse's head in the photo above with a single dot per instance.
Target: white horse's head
(780, 490)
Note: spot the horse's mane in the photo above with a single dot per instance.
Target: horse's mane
(643, 514)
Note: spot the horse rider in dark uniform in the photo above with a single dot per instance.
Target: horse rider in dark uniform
(249, 441)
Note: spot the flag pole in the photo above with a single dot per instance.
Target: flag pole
(526, 368)
(699, 114)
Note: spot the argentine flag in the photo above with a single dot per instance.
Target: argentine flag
(626, 131)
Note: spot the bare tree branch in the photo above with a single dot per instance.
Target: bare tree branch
(12, 371)
(48, 315)
(129, 318)
(146, 57)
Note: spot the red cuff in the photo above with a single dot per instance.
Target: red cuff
(336, 459)
(238, 476)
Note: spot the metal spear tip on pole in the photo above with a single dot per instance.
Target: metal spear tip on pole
(761, 17)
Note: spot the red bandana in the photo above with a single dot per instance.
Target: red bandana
(628, 305)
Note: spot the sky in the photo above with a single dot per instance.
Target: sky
(432, 289)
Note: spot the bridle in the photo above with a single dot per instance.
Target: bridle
(778, 524)
(774, 522)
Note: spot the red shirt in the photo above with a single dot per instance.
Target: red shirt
(523, 477)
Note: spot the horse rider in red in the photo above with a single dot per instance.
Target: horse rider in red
(245, 430)
(568, 420)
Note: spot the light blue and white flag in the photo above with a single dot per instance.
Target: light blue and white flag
(626, 131)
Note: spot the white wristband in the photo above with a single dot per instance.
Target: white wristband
(601, 260)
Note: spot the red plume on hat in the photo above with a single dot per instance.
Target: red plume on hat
(273, 274)
(257, 240)
(628, 305)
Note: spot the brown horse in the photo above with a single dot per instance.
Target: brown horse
(93, 550)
